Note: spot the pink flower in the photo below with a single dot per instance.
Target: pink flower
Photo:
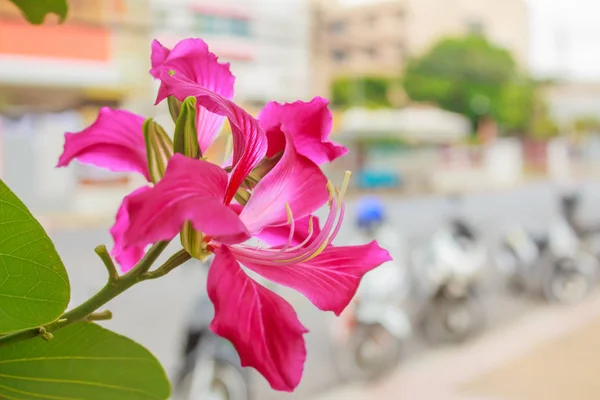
(287, 187)
(309, 126)
(262, 326)
(192, 59)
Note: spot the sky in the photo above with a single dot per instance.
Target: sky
(565, 36)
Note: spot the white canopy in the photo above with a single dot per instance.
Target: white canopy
(415, 123)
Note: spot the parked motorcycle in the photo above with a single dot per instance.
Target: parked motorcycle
(447, 272)
(371, 337)
(554, 264)
(589, 234)
(372, 330)
(210, 367)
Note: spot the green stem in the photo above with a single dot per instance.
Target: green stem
(102, 252)
(112, 289)
(173, 262)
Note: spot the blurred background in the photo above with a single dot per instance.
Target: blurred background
(474, 130)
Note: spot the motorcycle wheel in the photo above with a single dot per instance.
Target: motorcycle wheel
(568, 287)
(228, 383)
(450, 321)
(370, 352)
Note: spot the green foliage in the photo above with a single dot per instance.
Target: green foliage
(368, 92)
(82, 361)
(35, 11)
(587, 124)
(473, 77)
(34, 286)
(516, 105)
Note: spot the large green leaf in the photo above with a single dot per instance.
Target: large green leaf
(36, 10)
(84, 362)
(34, 286)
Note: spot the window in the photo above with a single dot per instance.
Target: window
(231, 26)
(337, 27)
(475, 27)
(240, 27)
(339, 56)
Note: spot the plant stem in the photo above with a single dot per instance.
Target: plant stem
(173, 262)
(102, 252)
(112, 289)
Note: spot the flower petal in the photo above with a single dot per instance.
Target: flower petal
(191, 190)
(263, 327)
(114, 141)
(280, 235)
(249, 140)
(309, 125)
(191, 58)
(329, 280)
(126, 257)
(295, 181)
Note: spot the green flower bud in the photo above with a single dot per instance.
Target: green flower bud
(174, 107)
(193, 241)
(185, 140)
(159, 149)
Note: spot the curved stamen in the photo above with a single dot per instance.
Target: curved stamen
(297, 254)
(292, 223)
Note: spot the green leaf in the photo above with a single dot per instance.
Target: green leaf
(35, 11)
(83, 361)
(34, 286)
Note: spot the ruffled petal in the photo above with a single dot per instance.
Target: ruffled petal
(331, 279)
(114, 141)
(191, 58)
(191, 190)
(309, 125)
(249, 140)
(126, 257)
(295, 181)
(263, 327)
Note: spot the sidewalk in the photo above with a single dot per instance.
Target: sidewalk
(552, 354)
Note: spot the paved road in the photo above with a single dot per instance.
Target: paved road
(154, 313)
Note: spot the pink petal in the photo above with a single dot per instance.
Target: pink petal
(114, 141)
(192, 59)
(191, 190)
(249, 140)
(261, 325)
(279, 235)
(309, 125)
(331, 279)
(296, 181)
(126, 257)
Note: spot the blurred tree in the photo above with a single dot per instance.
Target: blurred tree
(367, 91)
(471, 76)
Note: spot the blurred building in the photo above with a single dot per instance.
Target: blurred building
(53, 78)
(377, 37)
(266, 41)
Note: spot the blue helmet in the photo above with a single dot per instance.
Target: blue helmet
(370, 211)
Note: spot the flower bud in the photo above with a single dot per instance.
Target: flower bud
(174, 107)
(193, 241)
(185, 140)
(159, 149)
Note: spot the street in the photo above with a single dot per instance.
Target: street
(154, 313)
